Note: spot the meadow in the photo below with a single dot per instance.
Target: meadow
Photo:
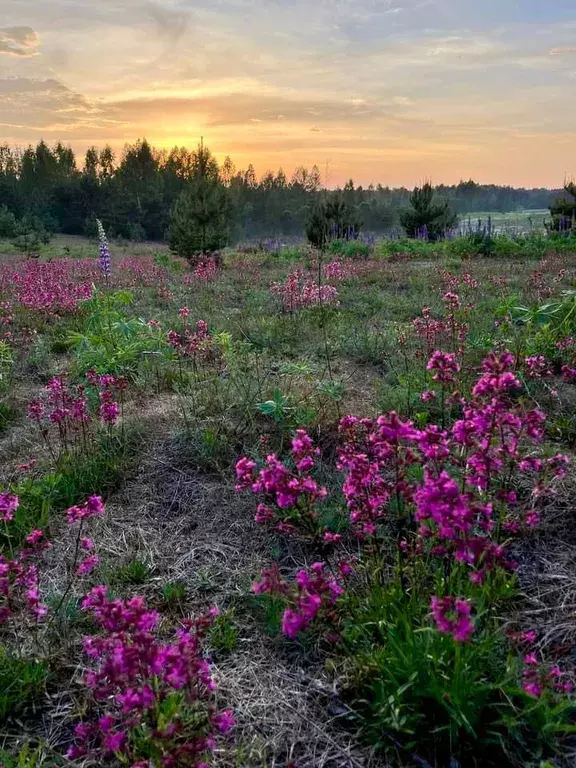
(302, 509)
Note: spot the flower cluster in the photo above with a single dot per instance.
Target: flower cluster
(289, 496)
(157, 696)
(538, 367)
(342, 270)
(444, 366)
(432, 332)
(19, 576)
(368, 448)
(19, 582)
(497, 378)
(314, 596)
(68, 407)
(198, 344)
(462, 505)
(93, 507)
(141, 271)
(8, 505)
(6, 313)
(206, 270)
(453, 283)
(452, 617)
(538, 677)
(51, 288)
(300, 290)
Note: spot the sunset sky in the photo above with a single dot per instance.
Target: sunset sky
(388, 91)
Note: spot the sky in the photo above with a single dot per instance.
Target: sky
(389, 91)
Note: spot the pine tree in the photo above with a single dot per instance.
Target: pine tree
(332, 219)
(563, 210)
(317, 226)
(426, 218)
(199, 218)
(29, 235)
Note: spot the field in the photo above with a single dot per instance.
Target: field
(512, 222)
(204, 560)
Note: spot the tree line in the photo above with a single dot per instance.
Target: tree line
(136, 194)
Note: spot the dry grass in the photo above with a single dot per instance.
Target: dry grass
(547, 575)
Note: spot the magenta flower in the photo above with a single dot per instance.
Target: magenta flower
(444, 365)
(532, 687)
(35, 410)
(114, 741)
(224, 721)
(93, 507)
(452, 617)
(87, 565)
(8, 505)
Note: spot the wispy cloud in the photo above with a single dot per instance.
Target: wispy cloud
(565, 50)
(18, 41)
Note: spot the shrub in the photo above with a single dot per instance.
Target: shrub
(350, 249)
(301, 290)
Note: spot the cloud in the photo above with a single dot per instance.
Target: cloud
(45, 106)
(18, 41)
(169, 22)
(562, 51)
(229, 109)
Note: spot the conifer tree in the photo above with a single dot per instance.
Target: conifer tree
(199, 218)
(426, 218)
(332, 219)
(563, 210)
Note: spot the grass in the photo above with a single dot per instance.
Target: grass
(100, 470)
(22, 684)
(133, 573)
(166, 471)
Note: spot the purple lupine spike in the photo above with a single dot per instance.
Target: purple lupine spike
(105, 263)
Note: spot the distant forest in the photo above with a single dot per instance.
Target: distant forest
(134, 193)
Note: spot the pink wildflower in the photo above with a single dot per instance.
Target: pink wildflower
(444, 365)
(452, 617)
(8, 505)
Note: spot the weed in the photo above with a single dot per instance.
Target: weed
(174, 595)
(223, 636)
(133, 573)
